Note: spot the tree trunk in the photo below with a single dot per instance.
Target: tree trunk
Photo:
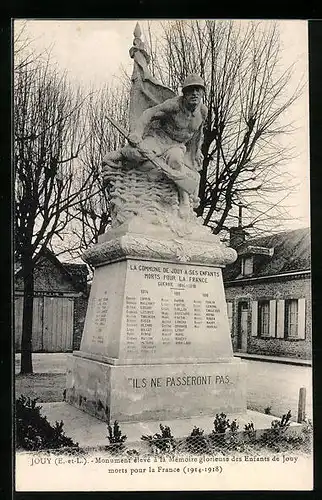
(28, 300)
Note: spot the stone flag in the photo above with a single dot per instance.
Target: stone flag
(146, 91)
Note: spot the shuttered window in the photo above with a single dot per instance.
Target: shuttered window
(263, 318)
(294, 320)
(283, 319)
(291, 318)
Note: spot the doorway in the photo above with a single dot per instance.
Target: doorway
(242, 330)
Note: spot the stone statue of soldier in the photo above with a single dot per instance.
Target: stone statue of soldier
(172, 133)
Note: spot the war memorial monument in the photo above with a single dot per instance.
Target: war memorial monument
(156, 343)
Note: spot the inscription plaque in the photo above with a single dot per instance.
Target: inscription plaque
(165, 313)
(173, 310)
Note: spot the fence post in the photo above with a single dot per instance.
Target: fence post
(301, 405)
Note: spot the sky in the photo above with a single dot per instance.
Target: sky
(92, 52)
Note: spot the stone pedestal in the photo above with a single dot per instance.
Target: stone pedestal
(156, 342)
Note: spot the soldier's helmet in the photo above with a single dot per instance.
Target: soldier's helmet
(193, 80)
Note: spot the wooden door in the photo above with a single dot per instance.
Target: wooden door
(58, 324)
(37, 323)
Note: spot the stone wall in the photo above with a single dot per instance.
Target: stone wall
(272, 289)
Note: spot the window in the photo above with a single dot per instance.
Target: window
(263, 318)
(247, 266)
(291, 318)
(279, 318)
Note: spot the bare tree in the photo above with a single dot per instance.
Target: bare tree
(48, 137)
(247, 93)
(23, 55)
(91, 214)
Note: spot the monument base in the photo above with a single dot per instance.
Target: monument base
(156, 343)
(134, 393)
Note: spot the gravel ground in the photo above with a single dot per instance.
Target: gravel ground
(47, 383)
(47, 387)
(51, 362)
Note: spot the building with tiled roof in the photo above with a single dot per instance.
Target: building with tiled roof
(268, 293)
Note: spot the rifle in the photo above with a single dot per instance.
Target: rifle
(185, 178)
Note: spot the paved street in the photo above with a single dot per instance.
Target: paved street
(273, 385)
